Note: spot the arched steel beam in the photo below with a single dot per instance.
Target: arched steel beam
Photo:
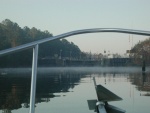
(83, 31)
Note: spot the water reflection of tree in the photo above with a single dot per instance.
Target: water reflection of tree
(12, 92)
(142, 81)
(15, 89)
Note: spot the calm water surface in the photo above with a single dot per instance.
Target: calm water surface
(66, 90)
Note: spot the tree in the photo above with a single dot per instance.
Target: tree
(11, 35)
(142, 51)
(13, 32)
(3, 39)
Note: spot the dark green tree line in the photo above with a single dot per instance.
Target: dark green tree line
(12, 35)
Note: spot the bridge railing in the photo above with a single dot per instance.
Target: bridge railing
(35, 45)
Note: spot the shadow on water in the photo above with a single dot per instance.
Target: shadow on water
(15, 87)
(15, 83)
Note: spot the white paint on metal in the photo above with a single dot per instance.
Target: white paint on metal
(101, 107)
(84, 31)
(33, 80)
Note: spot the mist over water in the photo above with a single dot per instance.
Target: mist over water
(67, 89)
(76, 69)
(97, 69)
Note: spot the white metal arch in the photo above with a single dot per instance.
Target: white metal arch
(35, 45)
(76, 32)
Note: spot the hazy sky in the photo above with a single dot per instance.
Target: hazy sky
(60, 16)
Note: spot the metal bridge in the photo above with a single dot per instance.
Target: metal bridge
(35, 46)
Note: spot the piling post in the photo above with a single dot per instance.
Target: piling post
(143, 66)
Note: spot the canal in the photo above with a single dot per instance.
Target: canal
(66, 90)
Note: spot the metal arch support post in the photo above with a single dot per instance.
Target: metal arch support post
(33, 80)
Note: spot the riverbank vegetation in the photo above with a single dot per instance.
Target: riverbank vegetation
(141, 51)
(59, 52)
(12, 35)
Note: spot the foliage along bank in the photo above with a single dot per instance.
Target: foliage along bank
(141, 52)
(12, 35)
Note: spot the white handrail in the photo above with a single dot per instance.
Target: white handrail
(84, 31)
